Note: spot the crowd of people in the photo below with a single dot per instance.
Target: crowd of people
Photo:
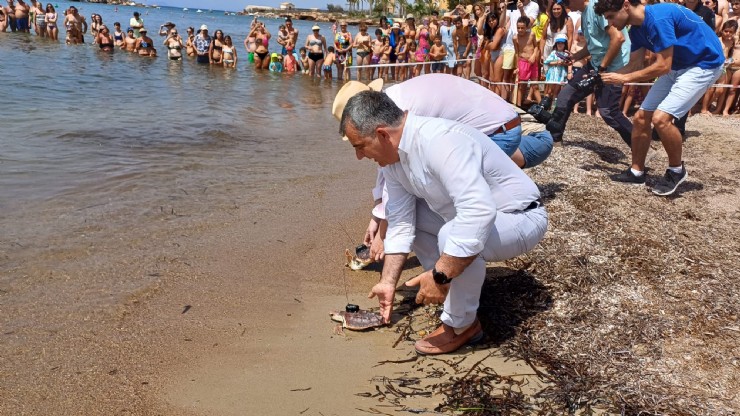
(528, 43)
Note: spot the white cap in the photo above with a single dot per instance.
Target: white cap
(203, 27)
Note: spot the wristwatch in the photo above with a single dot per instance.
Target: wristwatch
(440, 278)
(601, 69)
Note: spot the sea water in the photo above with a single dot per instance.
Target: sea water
(118, 137)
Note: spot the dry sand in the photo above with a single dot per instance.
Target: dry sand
(235, 318)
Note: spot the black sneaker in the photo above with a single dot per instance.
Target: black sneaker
(670, 182)
(628, 177)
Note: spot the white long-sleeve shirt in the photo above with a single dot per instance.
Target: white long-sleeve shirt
(449, 97)
(462, 175)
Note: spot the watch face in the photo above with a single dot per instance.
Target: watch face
(440, 278)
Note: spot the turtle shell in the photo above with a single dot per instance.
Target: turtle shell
(357, 321)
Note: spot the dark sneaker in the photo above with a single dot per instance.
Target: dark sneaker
(670, 182)
(628, 177)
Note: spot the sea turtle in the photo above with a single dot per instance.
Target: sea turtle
(357, 321)
(361, 258)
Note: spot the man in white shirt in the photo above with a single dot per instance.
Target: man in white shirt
(434, 95)
(477, 205)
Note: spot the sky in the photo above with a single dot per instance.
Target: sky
(238, 5)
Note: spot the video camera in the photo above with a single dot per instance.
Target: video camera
(540, 111)
(591, 81)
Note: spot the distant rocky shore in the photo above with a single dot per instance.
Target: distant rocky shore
(310, 15)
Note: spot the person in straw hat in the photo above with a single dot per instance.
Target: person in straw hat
(454, 198)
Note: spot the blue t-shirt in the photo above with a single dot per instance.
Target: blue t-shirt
(597, 39)
(668, 24)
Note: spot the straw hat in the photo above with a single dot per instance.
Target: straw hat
(315, 27)
(349, 90)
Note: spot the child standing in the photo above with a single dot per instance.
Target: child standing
(557, 67)
(526, 50)
(328, 62)
(275, 64)
(437, 53)
(289, 62)
(304, 59)
(402, 58)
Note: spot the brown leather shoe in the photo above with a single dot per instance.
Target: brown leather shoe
(444, 340)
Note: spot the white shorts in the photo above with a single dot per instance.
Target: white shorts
(677, 91)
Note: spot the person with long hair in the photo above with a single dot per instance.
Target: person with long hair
(558, 23)
(476, 20)
(493, 36)
(228, 56)
(215, 51)
(189, 45)
(51, 22)
(262, 51)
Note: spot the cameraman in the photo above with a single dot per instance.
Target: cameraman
(609, 49)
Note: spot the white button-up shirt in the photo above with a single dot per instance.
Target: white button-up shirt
(462, 175)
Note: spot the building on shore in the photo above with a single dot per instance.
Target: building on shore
(287, 6)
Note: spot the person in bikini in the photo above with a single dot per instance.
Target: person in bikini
(51, 22)
(215, 51)
(174, 45)
(118, 34)
(229, 53)
(105, 39)
(364, 50)
(315, 45)
(39, 18)
(189, 43)
(144, 45)
(261, 52)
(96, 22)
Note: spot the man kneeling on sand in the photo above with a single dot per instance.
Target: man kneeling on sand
(455, 198)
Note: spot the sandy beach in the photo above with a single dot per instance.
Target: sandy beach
(234, 317)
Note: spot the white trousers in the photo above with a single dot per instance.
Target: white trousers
(513, 234)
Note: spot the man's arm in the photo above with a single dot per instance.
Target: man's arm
(616, 39)
(661, 66)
